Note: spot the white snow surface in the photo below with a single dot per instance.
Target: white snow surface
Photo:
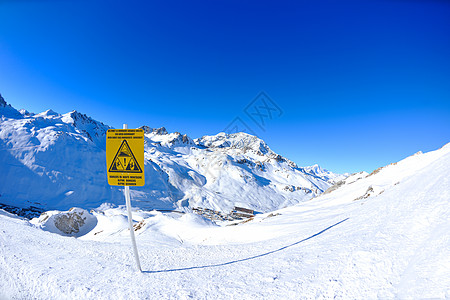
(383, 236)
(52, 161)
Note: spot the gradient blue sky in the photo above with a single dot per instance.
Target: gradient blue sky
(361, 83)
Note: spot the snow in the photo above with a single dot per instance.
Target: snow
(392, 244)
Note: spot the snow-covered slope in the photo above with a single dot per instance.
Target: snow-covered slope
(54, 161)
(383, 236)
(316, 170)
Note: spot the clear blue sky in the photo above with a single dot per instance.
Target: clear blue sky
(360, 84)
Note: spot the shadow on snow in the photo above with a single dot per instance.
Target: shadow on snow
(248, 258)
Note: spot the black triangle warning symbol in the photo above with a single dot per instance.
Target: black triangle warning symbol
(124, 160)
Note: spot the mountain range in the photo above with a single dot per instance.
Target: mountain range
(57, 161)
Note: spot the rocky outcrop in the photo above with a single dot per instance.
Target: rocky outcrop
(159, 131)
(2, 101)
(75, 222)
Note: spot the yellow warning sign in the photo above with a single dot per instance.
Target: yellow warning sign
(124, 161)
(125, 157)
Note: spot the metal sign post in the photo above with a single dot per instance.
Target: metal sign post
(125, 167)
(130, 220)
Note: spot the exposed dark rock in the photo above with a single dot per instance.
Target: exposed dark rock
(160, 131)
(29, 212)
(69, 223)
(2, 101)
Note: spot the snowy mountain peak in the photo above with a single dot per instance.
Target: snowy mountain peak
(324, 173)
(7, 111)
(48, 114)
(78, 119)
(181, 139)
(160, 136)
(92, 129)
(159, 131)
(239, 140)
(26, 113)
